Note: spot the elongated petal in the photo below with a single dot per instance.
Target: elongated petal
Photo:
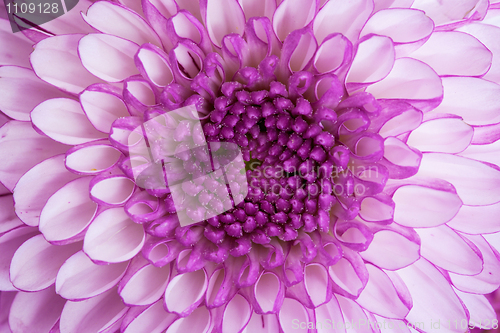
(446, 249)
(185, 292)
(113, 190)
(302, 11)
(113, 19)
(8, 218)
(291, 313)
(113, 237)
(269, 292)
(236, 314)
(256, 8)
(80, 278)
(220, 23)
(93, 315)
(92, 159)
(335, 51)
(153, 319)
(476, 183)
(262, 324)
(433, 297)
(146, 286)
(35, 312)
(26, 271)
(55, 60)
(108, 57)
(23, 148)
(15, 84)
(17, 54)
(63, 120)
(154, 63)
(480, 309)
(68, 211)
(473, 99)
(199, 321)
(484, 217)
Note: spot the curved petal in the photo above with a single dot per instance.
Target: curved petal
(293, 15)
(269, 292)
(15, 84)
(145, 286)
(154, 64)
(348, 18)
(154, 319)
(445, 11)
(36, 263)
(433, 297)
(102, 106)
(483, 152)
(119, 21)
(113, 237)
(110, 58)
(446, 249)
(484, 217)
(185, 292)
(35, 312)
(79, 278)
(476, 183)
(420, 206)
(291, 313)
(480, 310)
(56, 61)
(17, 54)
(262, 324)
(23, 148)
(220, 23)
(68, 211)
(258, 8)
(112, 190)
(454, 53)
(63, 120)
(349, 275)
(329, 312)
(92, 159)
(199, 321)
(380, 296)
(37, 185)
(317, 284)
(400, 24)
(93, 315)
(444, 135)
(8, 217)
(334, 52)
(391, 250)
(473, 99)
(236, 314)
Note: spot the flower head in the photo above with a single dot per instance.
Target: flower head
(251, 166)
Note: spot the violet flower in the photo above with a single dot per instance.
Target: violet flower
(251, 166)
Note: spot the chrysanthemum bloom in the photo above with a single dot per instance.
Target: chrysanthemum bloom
(369, 134)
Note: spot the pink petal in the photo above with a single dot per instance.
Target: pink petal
(257, 8)
(113, 237)
(405, 121)
(354, 316)
(15, 84)
(185, 292)
(445, 248)
(330, 315)
(8, 217)
(409, 79)
(145, 286)
(220, 23)
(17, 54)
(35, 312)
(93, 315)
(108, 57)
(63, 120)
(400, 24)
(199, 321)
(445, 11)
(445, 135)
(119, 21)
(420, 206)
(79, 278)
(398, 153)
(55, 60)
(293, 15)
(380, 296)
(383, 4)
(373, 61)
(68, 211)
(71, 22)
(236, 314)
(24, 148)
(102, 107)
(269, 292)
(155, 65)
(92, 159)
(335, 51)
(488, 280)
(153, 319)
(391, 250)
(483, 152)
(293, 312)
(433, 297)
(317, 283)
(484, 217)
(476, 183)
(138, 93)
(262, 324)
(376, 209)
(348, 18)
(461, 97)
(480, 310)
(36, 263)
(298, 50)
(454, 53)
(9, 243)
(37, 185)
(487, 35)
(113, 190)
(349, 274)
